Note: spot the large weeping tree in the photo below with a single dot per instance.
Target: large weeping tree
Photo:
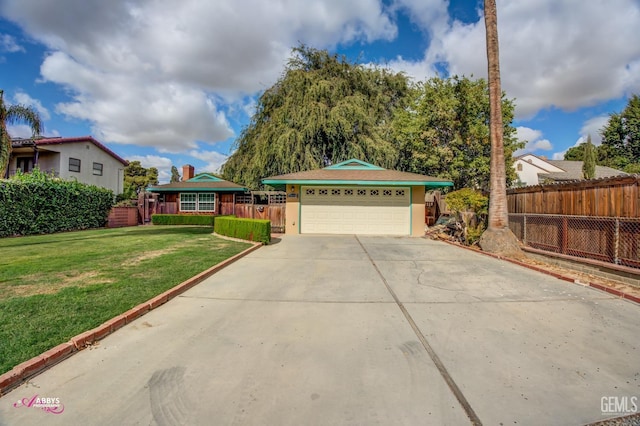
(12, 115)
(498, 238)
(324, 109)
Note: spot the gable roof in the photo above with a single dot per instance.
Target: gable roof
(204, 182)
(573, 171)
(19, 142)
(356, 172)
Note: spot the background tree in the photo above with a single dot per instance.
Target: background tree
(444, 132)
(137, 178)
(323, 110)
(498, 238)
(620, 147)
(589, 160)
(12, 115)
(175, 176)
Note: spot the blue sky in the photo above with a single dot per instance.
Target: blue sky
(171, 83)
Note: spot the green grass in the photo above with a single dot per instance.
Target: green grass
(53, 287)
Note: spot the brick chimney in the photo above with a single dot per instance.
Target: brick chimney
(187, 172)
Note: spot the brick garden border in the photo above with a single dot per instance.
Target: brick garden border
(20, 373)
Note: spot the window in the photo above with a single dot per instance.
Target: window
(74, 165)
(374, 192)
(348, 192)
(362, 192)
(188, 202)
(322, 192)
(519, 167)
(311, 192)
(399, 192)
(205, 202)
(386, 192)
(25, 164)
(97, 169)
(335, 192)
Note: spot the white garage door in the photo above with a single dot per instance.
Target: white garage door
(355, 210)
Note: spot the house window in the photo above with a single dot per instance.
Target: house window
(74, 165)
(24, 164)
(188, 202)
(97, 169)
(205, 202)
(519, 167)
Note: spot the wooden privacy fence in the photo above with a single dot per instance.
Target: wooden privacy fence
(609, 197)
(592, 219)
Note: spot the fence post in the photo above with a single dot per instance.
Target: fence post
(616, 242)
(564, 240)
(524, 230)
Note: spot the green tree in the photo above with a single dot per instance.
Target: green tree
(498, 238)
(444, 132)
(324, 109)
(589, 160)
(137, 178)
(620, 147)
(175, 176)
(12, 115)
(575, 153)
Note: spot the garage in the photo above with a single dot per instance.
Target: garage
(355, 210)
(355, 197)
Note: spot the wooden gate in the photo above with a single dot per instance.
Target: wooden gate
(263, 205)
(226, 204)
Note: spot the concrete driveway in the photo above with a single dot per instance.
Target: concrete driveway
(357, 330)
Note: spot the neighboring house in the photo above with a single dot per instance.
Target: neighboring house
(534, 170)
(354, 197)
(202, 194)
(81, 158)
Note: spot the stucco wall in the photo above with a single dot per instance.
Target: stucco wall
(112, 171)
(417, 211)
(292, 210)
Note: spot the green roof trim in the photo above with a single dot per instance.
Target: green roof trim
(160, 189)
(205, 177)
(433, 184)
(353, 164)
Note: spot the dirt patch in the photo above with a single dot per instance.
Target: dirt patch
(51, 284)
(148, 255)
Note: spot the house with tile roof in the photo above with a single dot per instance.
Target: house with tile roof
(355, 197)
(82, 158)
(534, 170)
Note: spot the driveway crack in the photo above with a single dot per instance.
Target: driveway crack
(475, 420)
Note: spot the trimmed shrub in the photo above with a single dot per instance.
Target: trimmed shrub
(247, 229)
(37, 203)
(182, 219)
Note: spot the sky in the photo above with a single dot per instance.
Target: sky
(171, 82)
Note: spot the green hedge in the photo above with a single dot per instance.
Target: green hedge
(247, 229)
(182, 219)
(37, 203)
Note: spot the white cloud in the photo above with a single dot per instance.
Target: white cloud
(24, 99)
(566, 54)
(213, 159)
(154, 73)
(534, 140)
(19, 131)
(9, 44)
(590, 127)
(163, 164)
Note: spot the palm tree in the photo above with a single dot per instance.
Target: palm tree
(11, 115)
(498, 238)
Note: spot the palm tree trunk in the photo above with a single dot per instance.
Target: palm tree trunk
(498, 238)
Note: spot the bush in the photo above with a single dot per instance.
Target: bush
(182, 219)
(247, 229)
(37, 203)
(468, 200)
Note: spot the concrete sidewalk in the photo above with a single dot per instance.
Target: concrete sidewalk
(346, 330)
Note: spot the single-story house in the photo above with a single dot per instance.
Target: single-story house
(202, 194)
(355, 197)
(82, 158)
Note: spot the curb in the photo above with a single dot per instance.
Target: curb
(597, 286)
(20, 373)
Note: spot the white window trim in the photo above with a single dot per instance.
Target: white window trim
(197, 202)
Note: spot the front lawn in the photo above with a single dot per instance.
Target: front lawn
(53, 287)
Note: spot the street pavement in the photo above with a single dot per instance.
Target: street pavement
(346, 330)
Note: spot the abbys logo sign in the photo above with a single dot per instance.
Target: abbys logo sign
(619, 405)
